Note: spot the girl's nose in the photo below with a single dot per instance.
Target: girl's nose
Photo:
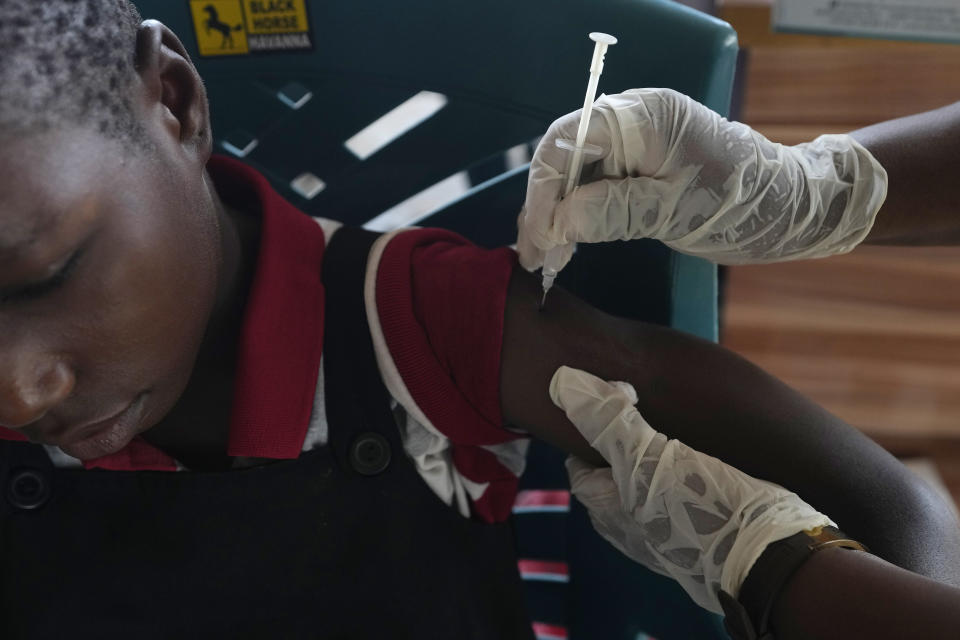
(29, 389)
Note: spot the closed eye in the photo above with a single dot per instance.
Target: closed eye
(23, 293)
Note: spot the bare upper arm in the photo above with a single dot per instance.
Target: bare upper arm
(722, 405)
(566, 332)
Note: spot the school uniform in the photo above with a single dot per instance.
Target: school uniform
(368, 377)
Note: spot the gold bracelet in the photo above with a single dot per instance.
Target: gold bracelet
(823, 538)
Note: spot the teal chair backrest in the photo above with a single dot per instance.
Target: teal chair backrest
(502, 70)
(507, 69)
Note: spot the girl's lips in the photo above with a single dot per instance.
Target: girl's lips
(76, 434)
(107, 436)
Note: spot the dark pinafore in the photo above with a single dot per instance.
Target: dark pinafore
(344, 542)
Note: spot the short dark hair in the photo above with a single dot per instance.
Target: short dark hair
(68, 62)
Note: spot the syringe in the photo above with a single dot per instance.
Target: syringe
(577, 149)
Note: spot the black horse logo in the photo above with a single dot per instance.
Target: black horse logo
(214, 22)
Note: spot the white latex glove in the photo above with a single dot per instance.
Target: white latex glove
(675, 510)
(678, 172)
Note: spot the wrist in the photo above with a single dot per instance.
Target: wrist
(816, 575)
(842, 173)
(749, 616)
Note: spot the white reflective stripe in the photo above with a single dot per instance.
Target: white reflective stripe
(237, 151)
(420, 205)
(517, 156)
(395, 123)
(307, 185)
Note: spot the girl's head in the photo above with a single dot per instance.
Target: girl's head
(110, 230)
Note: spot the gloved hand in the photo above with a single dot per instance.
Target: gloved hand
(675, 510)
(678, 172)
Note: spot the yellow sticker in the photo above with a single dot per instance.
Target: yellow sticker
(228, 27)
(276, 16)
(220, 27)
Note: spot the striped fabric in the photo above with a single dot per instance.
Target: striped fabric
(545, 631)
(544, 570)
(542, 501)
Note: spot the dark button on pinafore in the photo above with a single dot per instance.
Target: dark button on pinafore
(344, 542)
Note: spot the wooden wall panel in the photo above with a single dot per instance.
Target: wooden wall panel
(873, 336)
(801, 85)
(850, 86)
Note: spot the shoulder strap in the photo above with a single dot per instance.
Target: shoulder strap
(357, 402)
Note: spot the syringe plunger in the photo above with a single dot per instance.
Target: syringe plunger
(577, 149)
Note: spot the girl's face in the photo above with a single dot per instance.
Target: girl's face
(109, 264)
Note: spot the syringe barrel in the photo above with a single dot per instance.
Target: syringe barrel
(578, 149)
(551, 263)
(577, 156)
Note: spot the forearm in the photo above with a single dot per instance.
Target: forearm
(716, 402)
(921, 154)
(720, 404)
(839, 594)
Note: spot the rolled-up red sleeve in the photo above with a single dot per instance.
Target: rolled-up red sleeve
(441, 301)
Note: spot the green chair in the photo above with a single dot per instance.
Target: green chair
(500, 71)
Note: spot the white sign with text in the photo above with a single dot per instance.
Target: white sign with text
(930, 20)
